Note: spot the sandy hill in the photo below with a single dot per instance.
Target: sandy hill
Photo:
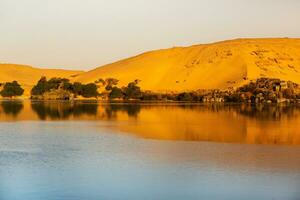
(218, 65)
(27, 76)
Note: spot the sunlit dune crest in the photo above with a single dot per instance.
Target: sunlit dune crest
(208, 66)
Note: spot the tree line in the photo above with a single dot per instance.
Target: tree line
(43, 86)
(263, 90)
(131, 91)
(111, 91)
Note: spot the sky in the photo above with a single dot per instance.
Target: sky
(84, 34)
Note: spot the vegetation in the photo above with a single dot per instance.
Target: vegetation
(65, 87)
(116, 93)
(89, 90)
(46, 86)
(12, 89)
(110, 83)
(133, 91)
(263, 90)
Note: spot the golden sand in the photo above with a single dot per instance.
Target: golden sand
(210, 66)
(27, 76)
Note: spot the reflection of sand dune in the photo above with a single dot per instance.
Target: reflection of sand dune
(237, 124)
(224, 125)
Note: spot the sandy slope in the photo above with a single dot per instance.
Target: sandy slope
(218, 65)
(27, 76)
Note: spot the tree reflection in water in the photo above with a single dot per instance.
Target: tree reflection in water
(132, 110)
(12, 107)
(239, 123)
(66, 110)
(63, 110)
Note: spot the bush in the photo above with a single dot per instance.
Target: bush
(77, 88)
(89, 90)
(110, 83)
(12, 89)
(43, 86)
(232, 98)
(53, 84)
(116, 93)
(184, 97)
(148, 96)
(132, 91)
(40, 88)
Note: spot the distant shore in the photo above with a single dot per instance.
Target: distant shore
(144, 102)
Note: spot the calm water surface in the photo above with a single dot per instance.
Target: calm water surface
(53, 151)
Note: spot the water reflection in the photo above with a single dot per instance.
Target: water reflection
(67, 110)
(253, 124)
(112, 110)
(11, 108)
(63, 110)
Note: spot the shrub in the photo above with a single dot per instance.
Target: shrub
(12, 89)
(89, 90)
(116, 93)
(77, 88)
(148, 96)
(110, 83)
(133, 91)
(184, 97)
(40, 88)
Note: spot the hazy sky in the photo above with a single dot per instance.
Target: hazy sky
(83, 34)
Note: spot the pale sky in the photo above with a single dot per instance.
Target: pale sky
(83, 34)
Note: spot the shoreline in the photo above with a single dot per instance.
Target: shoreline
(143, 102)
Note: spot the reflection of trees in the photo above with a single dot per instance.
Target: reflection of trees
(132, 110)
(110, 111)
(12, 107)
(63, 110)
(258, 111)
(269, 112)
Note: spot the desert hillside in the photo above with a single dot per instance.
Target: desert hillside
(208, 66)
(27, 76)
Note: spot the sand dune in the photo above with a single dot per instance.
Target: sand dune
(27, 76)
(218, 65)
(208, 66)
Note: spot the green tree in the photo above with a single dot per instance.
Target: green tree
(133, 91)
(116, 93)
(68, 86)
(12, 89)
(89, 90)
(77, 88)
(40, 88)
(55, 83)
(184, 97)
(110, 83)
